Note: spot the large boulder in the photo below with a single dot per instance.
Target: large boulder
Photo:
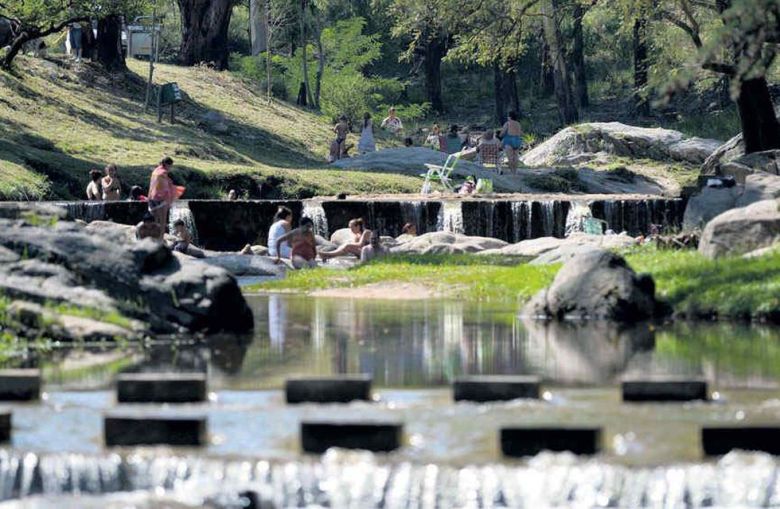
(597, 284)
(710, 202)
(757, 162)
(585, 142)
(729, 151)
(101, 269)
(742, 230)
(555, 250)
(447, 243)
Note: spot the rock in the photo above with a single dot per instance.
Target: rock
(596, 285)
(757, 162)
(447, 243)
(118, 231)
(259, 250)
(342, 236)
(742, 230)
(727, 152)
(215, 122)
(555, 250)
(586, 142)
(67, 263)
(711, 202)
(245, 265)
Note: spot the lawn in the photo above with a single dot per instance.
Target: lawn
(58, 121)
(693, 285)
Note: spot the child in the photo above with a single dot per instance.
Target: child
(137, 194)
(148, 228)
(112, 188)
(183, 242)
(93, 188)
(468, 187)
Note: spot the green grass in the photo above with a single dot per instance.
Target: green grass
(57, 122)
(467, 277)
(693, 285)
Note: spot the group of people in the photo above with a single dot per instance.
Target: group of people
(339, 149)
(299, 245)
(508, 139)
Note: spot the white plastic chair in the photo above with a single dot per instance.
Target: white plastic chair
(441, 173)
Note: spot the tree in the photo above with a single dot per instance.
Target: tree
(109, 43)
(204, 31)
(422, 23)
(744, 46)
(567, 106)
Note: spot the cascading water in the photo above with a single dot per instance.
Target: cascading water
(181, 211)
(314, 211)
(450, 217)
(548, 218)
(358, 479)
(519, 215)
(86, 211)
(412, 213)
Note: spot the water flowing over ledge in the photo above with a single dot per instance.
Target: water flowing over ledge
(357, 479)
(229, 225)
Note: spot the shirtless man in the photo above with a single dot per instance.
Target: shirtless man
(341, 129)
(149, 228)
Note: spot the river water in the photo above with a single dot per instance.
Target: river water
(651, 454)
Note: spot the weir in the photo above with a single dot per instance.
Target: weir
(229, 225)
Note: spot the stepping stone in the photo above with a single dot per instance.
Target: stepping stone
(5, 426)
(717, 441)
(127, 430)
(495, 388)
(20, 384)
(161, 387)
(319, 436)
(529, 441)
(328, 389)
(664, 389)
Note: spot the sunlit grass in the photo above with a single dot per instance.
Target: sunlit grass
(695, 286)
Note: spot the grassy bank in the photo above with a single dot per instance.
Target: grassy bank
(58, 120)
(692, 284)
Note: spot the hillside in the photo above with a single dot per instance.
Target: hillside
(58, 121)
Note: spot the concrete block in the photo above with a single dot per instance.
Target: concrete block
(716, 441)
(529, 441)
(20, 384)
(130, 430)
(161, 387)
(495, 388)
(664, 389)
(5, 426)
(328, 389)
(318, 437)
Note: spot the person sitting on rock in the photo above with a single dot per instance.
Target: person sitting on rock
(183, 242)
(93, 188)
(468, 187)
(304, 245)
(282, 224)
(362, 238)
(373, 250)
(148, 228)
(409, 229)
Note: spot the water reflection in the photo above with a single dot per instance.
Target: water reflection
(428, 343)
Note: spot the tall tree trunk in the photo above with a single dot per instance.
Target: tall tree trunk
(109, 43)
(306, 90)
(204, 32)
(434, 53)
(567, 107)
(268, 60)
(499, 93)
(258, 25)
(546, 80)
(320, 68)
(760, 128)
(578, 58)
(510, 91)
(640, 67)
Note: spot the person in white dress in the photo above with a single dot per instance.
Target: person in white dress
(367, 143)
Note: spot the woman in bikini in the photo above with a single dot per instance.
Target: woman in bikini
(304, 245)
(362, 238)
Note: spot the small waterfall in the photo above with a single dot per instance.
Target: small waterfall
(519, 220)
(86, 211)
(181, 211)
(359, 479)
(314, 211)
(412, 212)
(548, 218)
(450, 217)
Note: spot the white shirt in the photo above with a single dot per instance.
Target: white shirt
(277, 230)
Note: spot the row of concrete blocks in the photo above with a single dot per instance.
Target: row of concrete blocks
(23, 385)
(319, 436)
